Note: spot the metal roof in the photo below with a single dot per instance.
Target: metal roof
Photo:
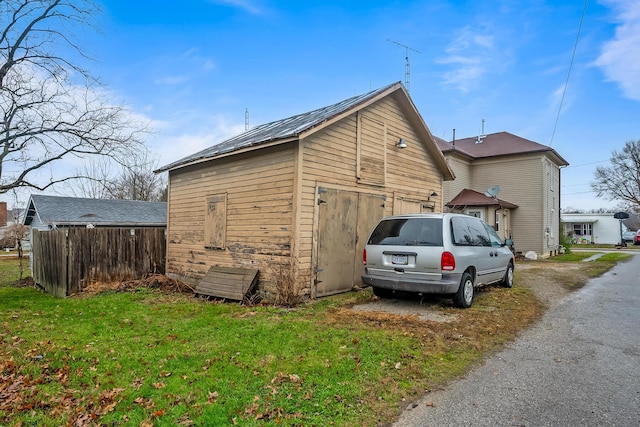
(290, 127)
(62, 211)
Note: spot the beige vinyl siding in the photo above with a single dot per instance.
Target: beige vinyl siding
(258, 234)
(551, 198)
(462, 169)
(521, 183)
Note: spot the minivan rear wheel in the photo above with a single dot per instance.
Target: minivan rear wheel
(382, 292)
(464, 297)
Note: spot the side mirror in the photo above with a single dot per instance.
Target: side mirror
(508, 242)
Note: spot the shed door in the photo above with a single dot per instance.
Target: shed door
(344, 221)
(370, 211)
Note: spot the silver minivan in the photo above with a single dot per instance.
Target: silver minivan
(436, 253)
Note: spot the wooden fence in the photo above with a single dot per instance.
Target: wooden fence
(66, 260)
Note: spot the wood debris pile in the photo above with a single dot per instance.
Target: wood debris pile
(160, 282)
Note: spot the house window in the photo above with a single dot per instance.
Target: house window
(215, 222)
(476, 213)
(497, 227)
(583, 229)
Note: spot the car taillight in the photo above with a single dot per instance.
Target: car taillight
(447, 261)
(364, 257)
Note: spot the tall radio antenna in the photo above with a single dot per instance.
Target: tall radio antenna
(407, 65)
(246, 119)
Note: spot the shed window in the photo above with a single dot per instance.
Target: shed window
(215, 222)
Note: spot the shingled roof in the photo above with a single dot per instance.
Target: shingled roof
(469, 197)
(73, 211)
(294, 127)
(497, 144)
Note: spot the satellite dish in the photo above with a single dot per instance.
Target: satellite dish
(492, 191)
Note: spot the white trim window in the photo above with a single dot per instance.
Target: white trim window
(475, 212)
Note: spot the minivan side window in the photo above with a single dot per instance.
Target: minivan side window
(408, 232)
(468, 231)
(496, 241)
(478, 232)
(460, 232)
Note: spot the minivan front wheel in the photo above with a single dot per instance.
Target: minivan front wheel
(464, 297)
(507, 280)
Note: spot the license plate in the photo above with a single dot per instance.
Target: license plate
(400, 259)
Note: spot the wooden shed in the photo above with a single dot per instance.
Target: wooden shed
(295, 199)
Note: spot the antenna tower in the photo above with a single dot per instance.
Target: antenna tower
(246, 119)
(407, 65)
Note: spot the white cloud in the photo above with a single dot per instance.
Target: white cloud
(247, 5)
(173, 146)
(469, 57)
(557, 97)
(171, 80)
(620, 57)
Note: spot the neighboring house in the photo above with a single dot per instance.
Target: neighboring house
(510, 182)
(9, 218)
(296, 198)
(592, 228)
(48, 212)
(76, 241)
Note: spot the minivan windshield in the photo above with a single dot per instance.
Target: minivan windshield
(408, 232)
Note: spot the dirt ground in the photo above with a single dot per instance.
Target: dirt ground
(545, 279)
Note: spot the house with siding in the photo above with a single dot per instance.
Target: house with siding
(587, 228)
(45, 212)
(296, 198)
(510, 182)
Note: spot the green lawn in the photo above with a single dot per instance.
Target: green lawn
(150, 359)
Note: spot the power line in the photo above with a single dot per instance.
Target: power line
(586, 164)
(564, 90)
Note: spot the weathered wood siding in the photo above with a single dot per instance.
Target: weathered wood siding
(330, 158)
(258, 189)
(270, 195)
(66, 260)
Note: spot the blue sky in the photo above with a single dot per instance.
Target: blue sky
(192, 68)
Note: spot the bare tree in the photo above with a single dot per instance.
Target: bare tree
(621, 180)
(137, 181)
(133, 180)
(94, 177)
(51, 108)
